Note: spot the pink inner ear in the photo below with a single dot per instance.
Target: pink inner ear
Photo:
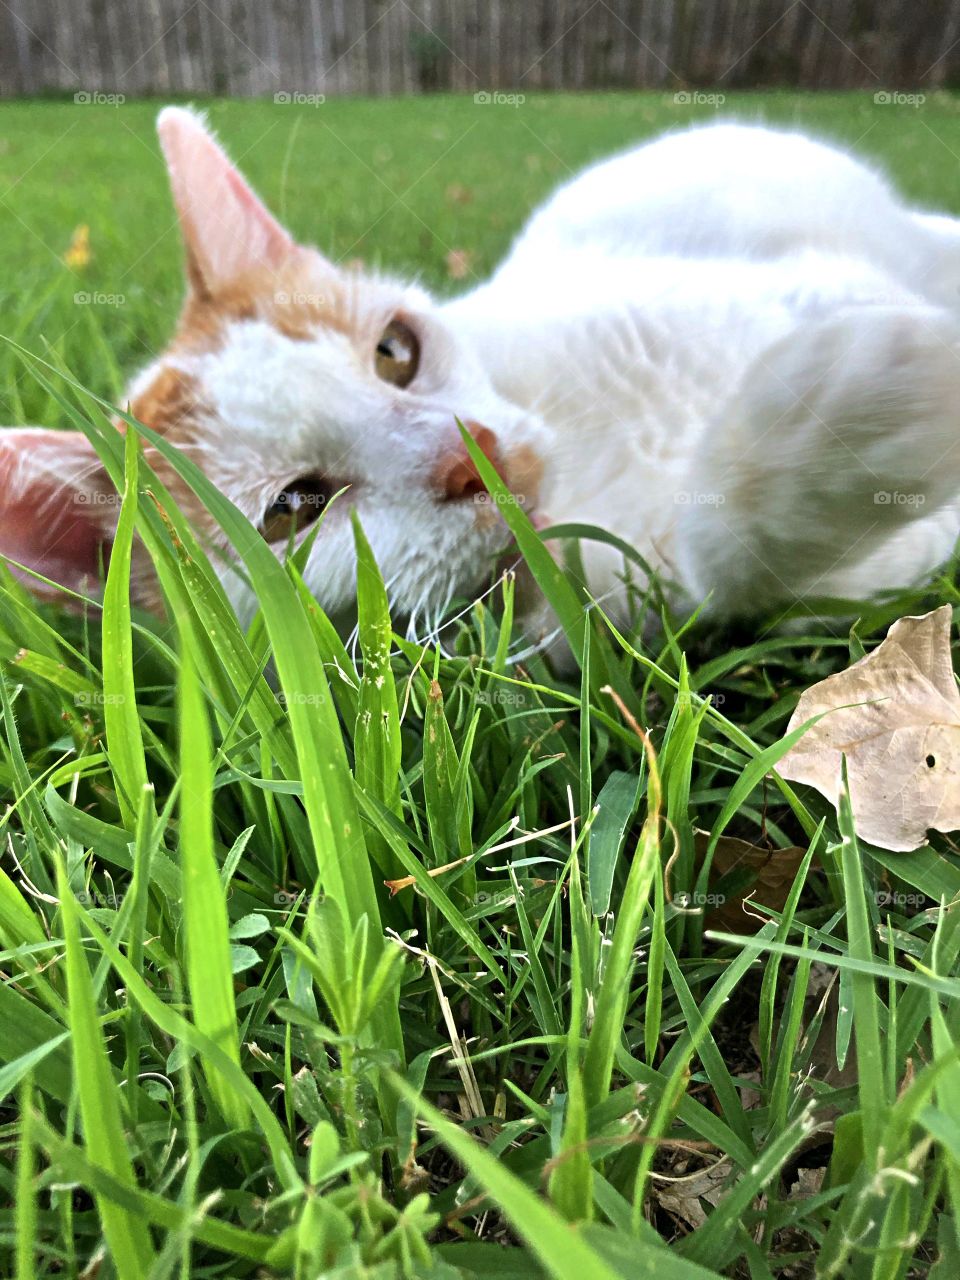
(227, 230)
(50, 520)
(69, 550)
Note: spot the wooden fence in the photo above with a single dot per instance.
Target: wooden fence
(267, 47)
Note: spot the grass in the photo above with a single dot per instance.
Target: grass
(228, 1049)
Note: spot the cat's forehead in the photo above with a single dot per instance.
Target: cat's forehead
(279, 395)
(264, 325)
(304, 297)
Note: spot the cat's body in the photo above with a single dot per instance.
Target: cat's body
(639, 299)
(735, 348)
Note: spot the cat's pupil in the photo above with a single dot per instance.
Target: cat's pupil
(397, 354)
(295, 507)
(289, 500)
(394, 349)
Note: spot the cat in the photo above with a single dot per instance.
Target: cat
(734, 347)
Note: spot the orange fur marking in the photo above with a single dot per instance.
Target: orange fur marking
(298, 298)
(172, 405)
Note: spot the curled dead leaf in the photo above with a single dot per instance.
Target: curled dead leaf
(895, 715)
(682, 1195)
(774, 871)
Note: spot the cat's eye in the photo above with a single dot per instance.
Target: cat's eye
(295, 507)
(398, 354)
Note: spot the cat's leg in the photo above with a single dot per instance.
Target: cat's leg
(940, 226)
(903, 560)
(936, 273)
(838, 438)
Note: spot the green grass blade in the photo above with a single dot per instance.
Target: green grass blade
(26, 1195)
(178, 1027)
(614, 993)
(571, 1180)
(126, 1233)
(616, 804)
(560, 1247)
(377, 746)
(866, 1011)
(147, 1206)
(206, 926)
(124, 736)
(342, 861)
(712, 1242)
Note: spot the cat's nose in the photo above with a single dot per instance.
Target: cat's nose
(456, 476)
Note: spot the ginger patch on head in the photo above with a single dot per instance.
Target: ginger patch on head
(172, 404)
(297, 299)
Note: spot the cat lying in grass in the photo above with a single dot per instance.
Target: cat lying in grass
(734, 347)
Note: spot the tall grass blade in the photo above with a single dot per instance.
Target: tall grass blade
(126, 1233)
(124, 735)
(206, 925)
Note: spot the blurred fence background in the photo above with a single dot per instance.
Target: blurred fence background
(255, 47)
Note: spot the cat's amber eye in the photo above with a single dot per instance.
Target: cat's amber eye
(295, 507)
(398, 354)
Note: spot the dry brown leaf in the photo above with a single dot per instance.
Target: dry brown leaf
(775, 869)
(406, 881)
(459, 263)
(682, 1196)
(808, 1183)
(902, 741)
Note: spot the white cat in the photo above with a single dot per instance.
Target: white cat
(734, 347)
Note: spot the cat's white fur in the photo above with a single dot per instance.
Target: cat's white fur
(293, 407)
(735, 347)
(731, 346)
(747, 349)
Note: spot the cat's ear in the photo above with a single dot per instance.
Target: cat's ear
(227, 231)
(58, 509)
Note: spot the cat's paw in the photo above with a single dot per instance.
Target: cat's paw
(838, 437)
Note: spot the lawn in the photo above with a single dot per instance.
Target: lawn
(556, 1044)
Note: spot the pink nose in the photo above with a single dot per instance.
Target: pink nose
(456, 475)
